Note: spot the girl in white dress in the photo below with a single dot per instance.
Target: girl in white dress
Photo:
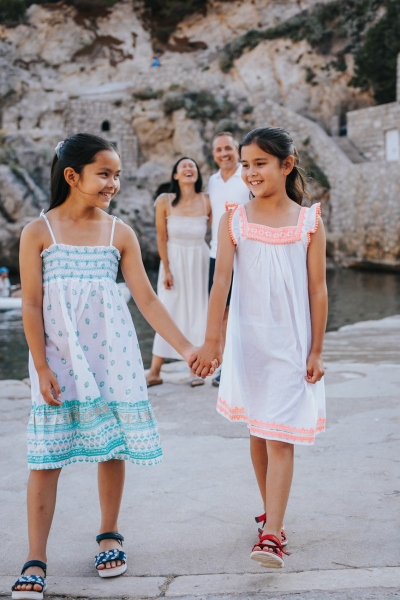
(181, 223)
(89, 395)
(273, 370)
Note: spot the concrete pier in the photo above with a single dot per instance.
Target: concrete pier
(189, 523)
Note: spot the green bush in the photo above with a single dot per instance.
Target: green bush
(376, 61)
(201, 105)
(163, 16)
(147, 93)
(12, 12)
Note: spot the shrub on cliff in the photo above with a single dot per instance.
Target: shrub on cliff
(12, 12)
(201, 104)
(348, 25)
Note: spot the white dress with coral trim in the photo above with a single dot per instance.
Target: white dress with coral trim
(269, 332)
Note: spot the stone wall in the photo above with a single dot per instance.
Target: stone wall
(364, 207)
(366, 128)
(109, 118)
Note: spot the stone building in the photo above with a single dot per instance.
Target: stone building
(375, 131)
(110, 116)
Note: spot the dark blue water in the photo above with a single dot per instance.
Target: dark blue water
(353, 296)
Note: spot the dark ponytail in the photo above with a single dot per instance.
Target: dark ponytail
(174, 185)
(277, 142)
(75, 152)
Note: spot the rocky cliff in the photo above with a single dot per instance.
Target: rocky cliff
(66, 69)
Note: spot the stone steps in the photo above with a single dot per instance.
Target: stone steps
(349, 149)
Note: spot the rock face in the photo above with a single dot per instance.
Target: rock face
(67, 71)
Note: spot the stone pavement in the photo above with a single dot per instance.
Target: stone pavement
(188, 523)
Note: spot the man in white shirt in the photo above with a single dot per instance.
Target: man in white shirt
(224, 186)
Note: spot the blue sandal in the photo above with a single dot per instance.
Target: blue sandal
(33, 580)
(109, 555)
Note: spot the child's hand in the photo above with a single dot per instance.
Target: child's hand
(315, 368)
(206, 359)
(49, 387)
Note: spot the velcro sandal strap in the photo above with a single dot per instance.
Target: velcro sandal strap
(32, 579)
(108, 556)
(110, 535)
(275, 546)
(34, 563)
(261, 518)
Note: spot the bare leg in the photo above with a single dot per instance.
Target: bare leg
(41, 502)
(279, 481)
(259, 458)
(111, 479)
(154, 373)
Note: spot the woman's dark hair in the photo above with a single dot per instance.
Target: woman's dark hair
(75, 152)
(277, 141)
(174, 186)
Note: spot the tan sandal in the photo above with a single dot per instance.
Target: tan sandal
(196, 382)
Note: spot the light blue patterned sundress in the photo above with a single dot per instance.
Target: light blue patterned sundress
(92, 347)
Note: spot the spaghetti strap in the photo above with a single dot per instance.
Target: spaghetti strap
(49, 226)
(112, 230)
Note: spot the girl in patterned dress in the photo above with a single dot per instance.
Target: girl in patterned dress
(273, 372)
(89, 394)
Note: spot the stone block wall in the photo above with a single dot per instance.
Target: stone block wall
(109, 119)
(366, 128)
(364, 221)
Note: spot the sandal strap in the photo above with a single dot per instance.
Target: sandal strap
(275, 546)
(108, 556)
(110, 535)
(33, 579)
(34, 563)
(261, 518)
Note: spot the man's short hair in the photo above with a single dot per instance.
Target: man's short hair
(228, 133)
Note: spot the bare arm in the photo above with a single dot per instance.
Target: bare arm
(32, 309)
(318, 295)
(211, 348)
(147, 301)
(162, 237)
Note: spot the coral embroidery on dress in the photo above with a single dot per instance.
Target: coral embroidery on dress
(232, 208)
(272, 235)
(272, 430)
(317, 215)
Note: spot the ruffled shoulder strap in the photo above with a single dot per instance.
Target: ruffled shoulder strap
(311, 221)
(234, 222)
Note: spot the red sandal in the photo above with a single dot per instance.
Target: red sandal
(263, 519)
(269, 552)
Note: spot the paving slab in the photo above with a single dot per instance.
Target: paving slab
(192, 517)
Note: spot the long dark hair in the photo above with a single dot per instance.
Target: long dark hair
(174, 186)
(277, 142)
(75, 152)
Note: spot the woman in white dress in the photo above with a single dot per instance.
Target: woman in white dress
(181, 223)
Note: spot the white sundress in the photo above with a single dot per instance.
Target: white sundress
(269, 332)
(91, 346)
(187, 301)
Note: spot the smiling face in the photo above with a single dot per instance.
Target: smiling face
(99, 181)
(186, 171)
(263, 173)
(225, 153)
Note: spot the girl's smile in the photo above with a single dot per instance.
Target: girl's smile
(263, 173)
(101, 178)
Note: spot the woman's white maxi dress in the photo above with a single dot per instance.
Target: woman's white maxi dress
(91, 346)
(187, 301)
(269, 332)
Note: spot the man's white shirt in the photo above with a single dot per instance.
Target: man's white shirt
(234, 191)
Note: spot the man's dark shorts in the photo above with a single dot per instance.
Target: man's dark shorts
(211, 279)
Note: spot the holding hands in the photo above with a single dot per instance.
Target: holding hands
(205, 360)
